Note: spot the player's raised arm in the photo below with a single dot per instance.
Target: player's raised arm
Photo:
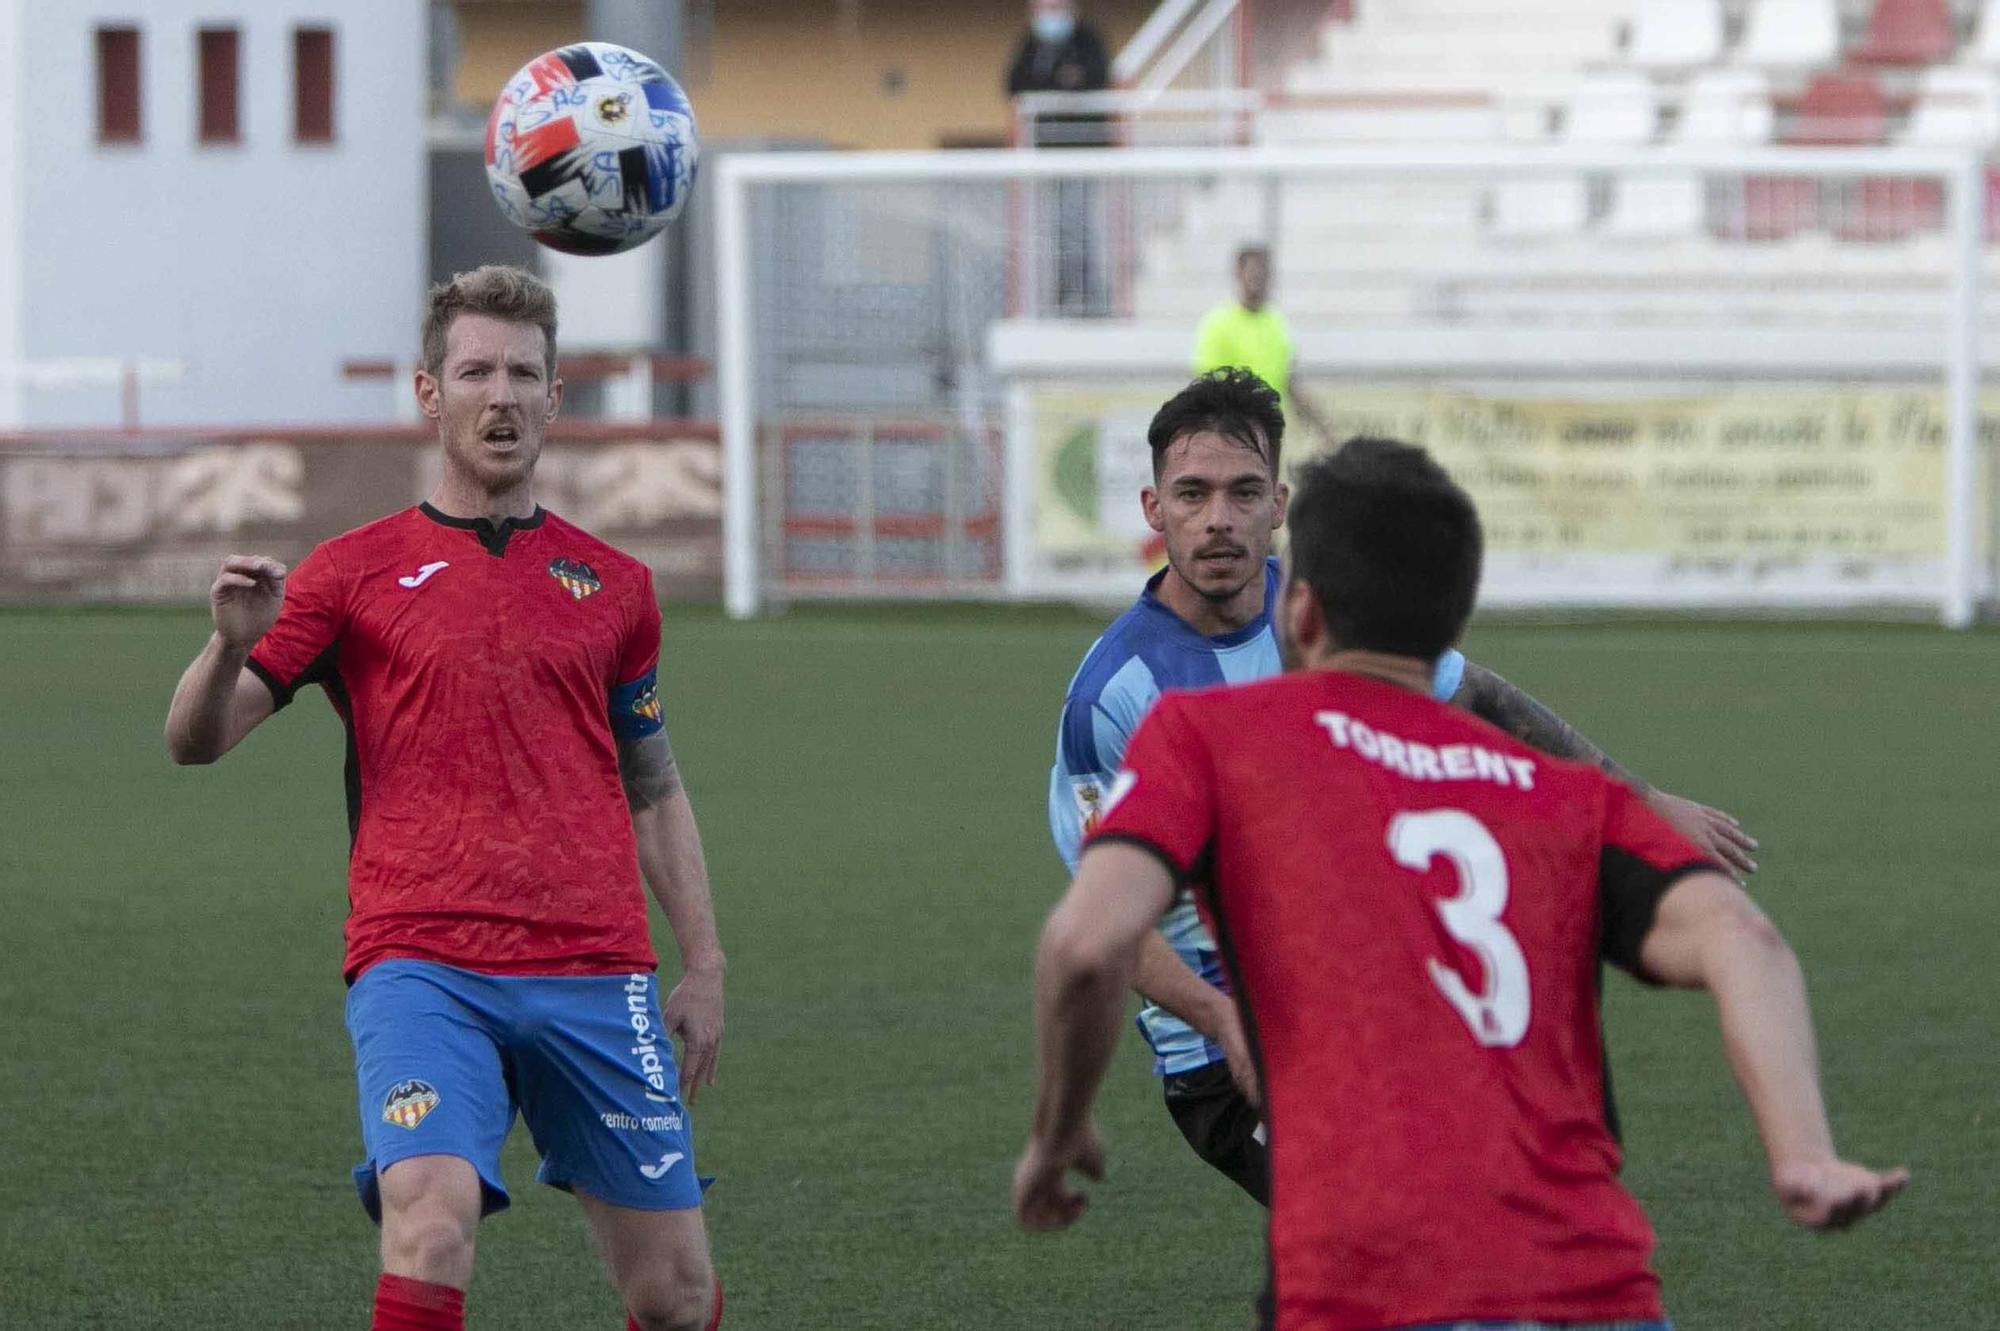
(1706, 933)
(1492, 698)
(219, 700)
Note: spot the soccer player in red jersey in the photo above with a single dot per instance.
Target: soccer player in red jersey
(510, 785)
(1412, 904)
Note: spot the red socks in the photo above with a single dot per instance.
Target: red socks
(403, 1304)
(714, 1319)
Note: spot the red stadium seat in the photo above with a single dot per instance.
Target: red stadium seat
(1888, 208)
(1774, 208)
(1908, 32)
(1840, 111)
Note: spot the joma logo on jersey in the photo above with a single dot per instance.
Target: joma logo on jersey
(409, 1103)
(576, 577)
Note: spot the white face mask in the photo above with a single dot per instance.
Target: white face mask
(1052, 26)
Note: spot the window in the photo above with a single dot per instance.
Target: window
(118, 86)
(312, 79)
(216, 52)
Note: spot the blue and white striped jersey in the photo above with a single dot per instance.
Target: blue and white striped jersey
(1149, 649)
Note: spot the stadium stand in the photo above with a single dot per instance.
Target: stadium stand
(1822, 73)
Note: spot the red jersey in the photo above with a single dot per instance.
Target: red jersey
(478, 668)
(1412, 905)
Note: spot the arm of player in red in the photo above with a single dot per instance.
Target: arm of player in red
(218, 701)
(670, 853)
(1157, 822)
(1088, 955)
(1706, 933)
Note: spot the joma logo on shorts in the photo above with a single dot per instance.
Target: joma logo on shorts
(645, 1039)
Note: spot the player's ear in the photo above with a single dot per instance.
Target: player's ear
(1149, 504)
(1281, 500)
(1305, 622)
(426, 388)
(555, 396)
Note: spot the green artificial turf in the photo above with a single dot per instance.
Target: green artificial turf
(175, 1083)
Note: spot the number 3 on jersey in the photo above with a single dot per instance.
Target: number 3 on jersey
(1498, 1014)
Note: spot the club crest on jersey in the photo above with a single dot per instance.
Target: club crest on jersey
(1089, 802)
(576, 577)
(409, 1103)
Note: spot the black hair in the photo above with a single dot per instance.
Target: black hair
(1231, 402)
(1390, 545)
(1253, 248)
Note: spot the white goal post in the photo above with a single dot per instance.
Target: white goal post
(896, 330)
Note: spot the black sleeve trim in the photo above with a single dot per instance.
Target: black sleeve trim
(1629, 891)
(281, 696)
(1182, 877)
(317, 672)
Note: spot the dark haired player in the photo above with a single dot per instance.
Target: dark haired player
(1206, 619)
(509, 784)
(1412, 905)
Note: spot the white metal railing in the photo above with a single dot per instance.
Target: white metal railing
(1150, 40)
(1214, 27)
(64, 374)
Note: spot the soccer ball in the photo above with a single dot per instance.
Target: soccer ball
(591, 148)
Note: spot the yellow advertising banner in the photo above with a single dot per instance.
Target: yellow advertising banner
(1732, 475)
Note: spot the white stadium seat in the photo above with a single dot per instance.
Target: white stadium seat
(1791, 34)
(1668, 206)
(1727, 106)
(1618, 109)
(1956, 106)
(1676, 34)
(1985, 46)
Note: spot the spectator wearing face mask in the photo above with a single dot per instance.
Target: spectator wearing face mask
(1063, 54)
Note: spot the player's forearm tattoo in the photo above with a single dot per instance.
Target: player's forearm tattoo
(1491, 698)
(648, 770)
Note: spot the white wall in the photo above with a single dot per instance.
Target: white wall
(12, 178)
(261, 264)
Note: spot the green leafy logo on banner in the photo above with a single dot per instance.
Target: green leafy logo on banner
(1075, 471)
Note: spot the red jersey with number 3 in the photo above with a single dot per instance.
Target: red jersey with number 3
(1413, 906)
(485, 673)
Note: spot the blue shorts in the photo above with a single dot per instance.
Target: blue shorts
(444, 1057)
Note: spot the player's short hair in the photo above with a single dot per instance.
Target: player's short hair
(1231, 402)
(499, 291)
(1252, 249)
(1390, 545)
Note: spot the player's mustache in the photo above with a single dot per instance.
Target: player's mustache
(1222, 548)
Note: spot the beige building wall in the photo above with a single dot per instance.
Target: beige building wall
(853, 73)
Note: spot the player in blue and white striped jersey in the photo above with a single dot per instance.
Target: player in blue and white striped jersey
(1205, 620)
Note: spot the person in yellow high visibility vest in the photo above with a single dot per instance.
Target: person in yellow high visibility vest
(1250, 332)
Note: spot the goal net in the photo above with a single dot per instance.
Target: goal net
(1670, 378)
